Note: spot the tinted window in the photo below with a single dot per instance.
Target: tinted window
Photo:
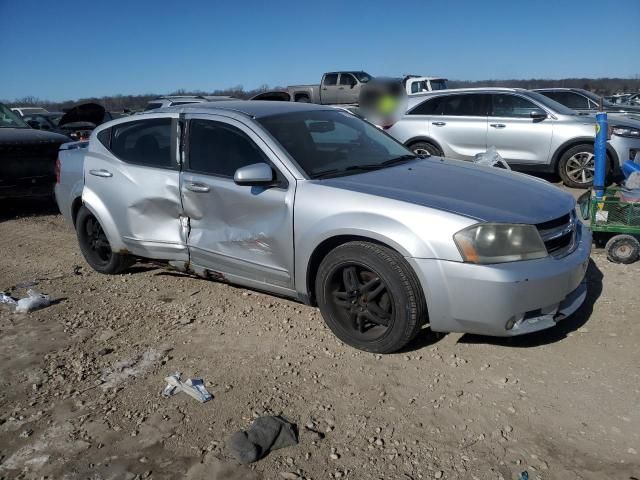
(152, 106)
(512, 106)
(569, 99)
(147, 142)
(105, 137)
(182, 103)
(331, 79)
(429, 107)
(346, 79)
(471, 105)
(332, 143)
(419, 86)
(220, 149)
(438, 84)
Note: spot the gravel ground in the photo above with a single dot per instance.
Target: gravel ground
(81, 380)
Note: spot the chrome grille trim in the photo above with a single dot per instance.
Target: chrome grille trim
(552, 236)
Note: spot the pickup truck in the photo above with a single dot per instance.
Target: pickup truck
(415, 85)
(335, 88)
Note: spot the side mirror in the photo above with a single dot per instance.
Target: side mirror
(254, 175)
(34, 124)
(538, 114)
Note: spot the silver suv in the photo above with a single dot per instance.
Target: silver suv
(315, 204)
(530, 131)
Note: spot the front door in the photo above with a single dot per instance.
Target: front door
(519, 138)
(347, 91)
(242, 233)
(329, 89)
(132, 184)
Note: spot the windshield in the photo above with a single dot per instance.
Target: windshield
(9, 119)
(439, 84)
(362, 76)
(333, 143)
(551, 104)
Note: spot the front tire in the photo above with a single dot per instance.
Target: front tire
(370, 297)
(577, 166)
(95, 246)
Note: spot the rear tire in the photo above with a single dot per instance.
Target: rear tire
(96, 248)
(425, 148)
(623, 249)
(370, 297)
(303, 99)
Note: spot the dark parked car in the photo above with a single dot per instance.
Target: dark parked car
(43, 121)
(27, 157)
(77, 123)
(584, 101)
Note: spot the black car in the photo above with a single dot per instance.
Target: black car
(77, 123)
(584, 100)
(27, 157)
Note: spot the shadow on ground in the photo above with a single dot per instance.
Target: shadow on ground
(561, 330)
(27, 207)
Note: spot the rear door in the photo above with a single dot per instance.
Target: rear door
(132, 180)
(329, 89)
(518, 138)
(242, 233)
(458, 123)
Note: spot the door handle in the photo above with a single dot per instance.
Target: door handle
(439, 124)
(497, 125)
(198, 187)
(101, 173)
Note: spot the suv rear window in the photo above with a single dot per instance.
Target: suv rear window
(146, 142)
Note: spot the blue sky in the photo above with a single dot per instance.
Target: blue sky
(67, 49)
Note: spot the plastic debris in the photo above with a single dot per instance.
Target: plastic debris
(524, 476)
(491, 158)
(34, 301)
(633, 182)
(265, 434)
(193, 387)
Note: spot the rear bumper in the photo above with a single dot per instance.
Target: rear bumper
(486, 299)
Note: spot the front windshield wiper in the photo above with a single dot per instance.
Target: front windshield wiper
(365, 167)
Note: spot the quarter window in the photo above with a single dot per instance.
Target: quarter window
(512, 106)
(219, 149)
(331, 79)
(146, 142)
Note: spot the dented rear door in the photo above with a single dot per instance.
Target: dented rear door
(132, 184)
(241, 233)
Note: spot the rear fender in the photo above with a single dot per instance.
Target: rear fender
(101, 212)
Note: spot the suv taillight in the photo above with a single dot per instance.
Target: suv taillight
(58, 170)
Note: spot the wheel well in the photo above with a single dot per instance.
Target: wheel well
(299, 96)
(75, 208)
(611, 156)
(322, 250)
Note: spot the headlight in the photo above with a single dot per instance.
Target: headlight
(499, 243)
(626, 132)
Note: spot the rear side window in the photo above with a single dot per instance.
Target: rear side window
(146, 142)
(347, 79)
(505, 105)
(217, 148)
(182, 103)
(331, 79)
(469, 105)
(572, 100)
(152, 106)
(105, 137)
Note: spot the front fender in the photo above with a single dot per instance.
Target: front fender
(101, 212)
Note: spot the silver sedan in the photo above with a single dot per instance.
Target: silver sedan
(318, 205)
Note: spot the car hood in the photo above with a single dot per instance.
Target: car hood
(29, 136)
(484, 193)
(86, 112)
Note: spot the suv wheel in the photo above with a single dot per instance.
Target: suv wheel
(577, 166)
(369, 297)
(95, 246)
(425, 148)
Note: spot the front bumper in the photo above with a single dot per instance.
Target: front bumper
(625, 148)
(526, 296)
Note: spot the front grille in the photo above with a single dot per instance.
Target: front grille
(559, 235)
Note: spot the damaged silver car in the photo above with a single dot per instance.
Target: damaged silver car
(315, 204)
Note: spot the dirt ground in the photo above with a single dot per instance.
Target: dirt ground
(80, 381)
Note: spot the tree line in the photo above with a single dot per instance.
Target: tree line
(119, 103)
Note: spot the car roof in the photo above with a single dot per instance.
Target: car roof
(564, 89)
(252, 108)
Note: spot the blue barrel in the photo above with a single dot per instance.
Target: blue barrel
(600, 151)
